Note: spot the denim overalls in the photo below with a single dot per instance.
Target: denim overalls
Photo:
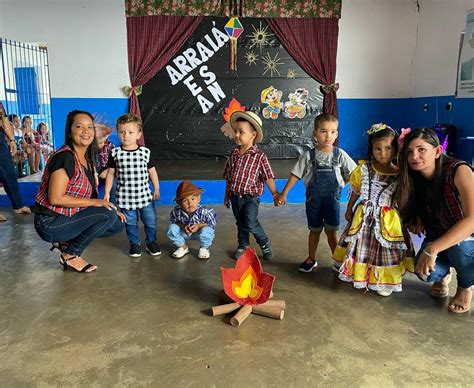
(323, 194)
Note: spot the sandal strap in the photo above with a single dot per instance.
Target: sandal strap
(86, 267)
(66, 260)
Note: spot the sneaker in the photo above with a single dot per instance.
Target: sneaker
(308, 265)
(384, 292)
(239, 252)
(153, 249)
(180, 252)
(267, 251)
(203, 253)
(135, 250)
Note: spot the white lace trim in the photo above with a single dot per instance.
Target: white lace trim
(370, 286)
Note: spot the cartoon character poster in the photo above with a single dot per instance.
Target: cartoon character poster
(271, 99)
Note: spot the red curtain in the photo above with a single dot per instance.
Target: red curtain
(152, 42)
(312, 42)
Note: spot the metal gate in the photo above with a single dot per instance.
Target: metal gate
(26, 87)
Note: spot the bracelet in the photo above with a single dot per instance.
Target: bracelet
(10, 140)
(429, 254)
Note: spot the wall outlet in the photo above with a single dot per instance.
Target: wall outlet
(449, 106)
(425, 108)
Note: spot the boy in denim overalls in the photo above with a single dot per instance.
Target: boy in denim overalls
(325, 170)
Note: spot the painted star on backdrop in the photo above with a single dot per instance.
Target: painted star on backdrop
(260, 37)
(271, 64)
(251, 58)
(291, 74)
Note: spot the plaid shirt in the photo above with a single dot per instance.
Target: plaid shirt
(202, 215)
(451, 207)
(104, 155)
(246, 173)
(78, 186)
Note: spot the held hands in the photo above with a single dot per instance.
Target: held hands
(348, 215)
(279, 199)
(190, 229)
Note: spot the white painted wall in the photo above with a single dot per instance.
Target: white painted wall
(380, 54)
(86, 41)
(441, 22)
(377, 40)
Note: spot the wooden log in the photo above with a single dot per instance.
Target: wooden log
(271, 312)
(279, 303)
(241, 315)
(224, 308)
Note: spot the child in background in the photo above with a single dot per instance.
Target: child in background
(245, 171)
(375, 247)
(102, 133)
(132, 164)
(325, 170)
(191, 221)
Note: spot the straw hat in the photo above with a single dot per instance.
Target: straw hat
(253, 119)
(186, 188)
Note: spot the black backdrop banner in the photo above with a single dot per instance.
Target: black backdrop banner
(183, 106)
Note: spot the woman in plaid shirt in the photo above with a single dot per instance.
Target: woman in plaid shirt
(436, 193)
(245, 172)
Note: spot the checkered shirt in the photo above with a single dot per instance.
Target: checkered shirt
(202, 215)
(131, 170)
(246, 173)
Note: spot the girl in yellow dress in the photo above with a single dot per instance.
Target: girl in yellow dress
(375, 249)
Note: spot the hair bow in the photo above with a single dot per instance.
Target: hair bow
(401, 138)
(326, 89)
(377, 127)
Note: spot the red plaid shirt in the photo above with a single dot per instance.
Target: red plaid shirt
(246, 173)
(451, 207)
(78, 186)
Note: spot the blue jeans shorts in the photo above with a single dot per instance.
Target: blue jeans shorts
(322, 212)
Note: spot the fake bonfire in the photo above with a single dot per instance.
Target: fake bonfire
(248, 290)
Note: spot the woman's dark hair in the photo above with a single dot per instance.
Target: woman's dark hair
(24, 119)
(410, 195)
(11, 117)
(93, 148)
(382, 134)
(38, 127)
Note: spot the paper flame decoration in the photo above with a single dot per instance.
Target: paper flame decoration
(234, 106)
(247, 283)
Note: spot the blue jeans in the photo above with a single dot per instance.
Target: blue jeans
(460, 256)
(8, 175)
(149, 219)
(178, 236)
(80, 230)
(245, 209)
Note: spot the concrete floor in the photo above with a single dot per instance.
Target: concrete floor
(146, 322)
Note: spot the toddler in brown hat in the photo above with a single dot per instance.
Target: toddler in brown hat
(191, 221)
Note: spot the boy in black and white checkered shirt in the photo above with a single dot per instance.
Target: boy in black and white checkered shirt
(133, 167)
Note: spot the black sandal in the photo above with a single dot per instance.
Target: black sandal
(63, 261)
(60, 246)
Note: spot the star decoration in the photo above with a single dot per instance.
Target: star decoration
(291, 74)
(251, 58)
(259, 37)
(271, 64)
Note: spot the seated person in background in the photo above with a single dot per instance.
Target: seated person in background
(7, 172)
(20, 158)
(102, 133)
(30, 143)
(191, 221)
(42, 138)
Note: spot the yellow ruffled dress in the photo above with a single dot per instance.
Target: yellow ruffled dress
(375, 249)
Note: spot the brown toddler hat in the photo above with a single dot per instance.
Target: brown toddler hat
(186, 188)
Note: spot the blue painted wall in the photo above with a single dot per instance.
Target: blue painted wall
(111, 108)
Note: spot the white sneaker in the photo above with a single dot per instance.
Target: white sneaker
(203, 253)
(384, 292)
(180, 252)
